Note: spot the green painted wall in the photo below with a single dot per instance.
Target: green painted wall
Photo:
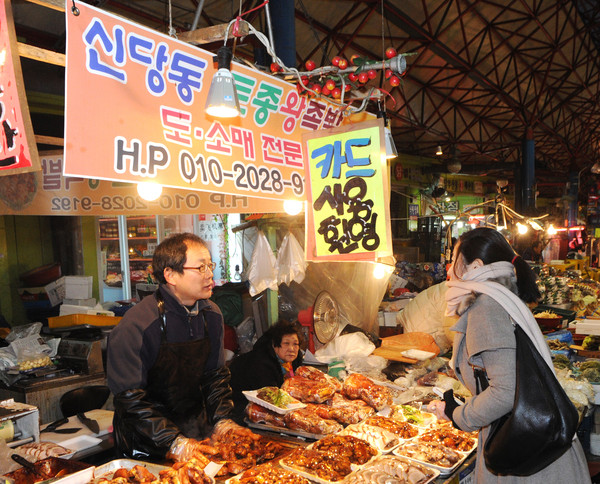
(90, 252)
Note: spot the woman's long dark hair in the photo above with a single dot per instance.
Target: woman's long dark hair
(490, 246)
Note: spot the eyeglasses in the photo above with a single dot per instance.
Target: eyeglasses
(202, 268)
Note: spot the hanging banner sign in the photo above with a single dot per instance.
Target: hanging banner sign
(135, 112)
(18, 150)
(48, 192)
(348, 195)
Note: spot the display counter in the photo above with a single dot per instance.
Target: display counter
(45, 393)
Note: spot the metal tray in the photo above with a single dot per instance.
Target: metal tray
(284, 430)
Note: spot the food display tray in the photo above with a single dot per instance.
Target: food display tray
(107, 470)
(383, 461)
(444, 471)
(358, 430)
(284, 430)
(251, 395)
(236, 479)
(79, 472)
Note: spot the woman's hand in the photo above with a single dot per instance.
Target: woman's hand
(437, 407)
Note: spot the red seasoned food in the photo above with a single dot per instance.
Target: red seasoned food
(313, 373)
(450, 437)
(325, 466)
(269, 474)
(359, 386)
(309, 391)
(258, 414)
(345, 411)
(357, 451)
(307, 420)
(184, 472)
(404, 430)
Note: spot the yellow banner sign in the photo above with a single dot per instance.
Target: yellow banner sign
(135, 112)
(48, 192)
(18, 151)
(348, 198)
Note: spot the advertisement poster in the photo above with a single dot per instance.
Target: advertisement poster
(18, 150)
(135, 112)
(48, 192)
(348, 194)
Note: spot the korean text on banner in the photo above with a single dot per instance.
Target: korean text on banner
(18, 150)
(348, 197)
(135, 112)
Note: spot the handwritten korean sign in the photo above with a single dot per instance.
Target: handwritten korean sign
(135, 112)
(349, 194)
(18, 151)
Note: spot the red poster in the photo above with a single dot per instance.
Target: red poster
(18, 151)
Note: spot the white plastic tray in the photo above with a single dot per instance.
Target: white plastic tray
(251, 396)
(383, 462)
(417, 354)
(107, 470)
(444, 471)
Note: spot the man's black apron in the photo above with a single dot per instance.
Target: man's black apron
(174, 381)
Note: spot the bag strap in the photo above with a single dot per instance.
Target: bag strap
(481, 379)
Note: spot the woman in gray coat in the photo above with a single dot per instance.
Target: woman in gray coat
(485, 338)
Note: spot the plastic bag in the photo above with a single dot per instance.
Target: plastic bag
(262, 273)
(290, 260)
(346, 345)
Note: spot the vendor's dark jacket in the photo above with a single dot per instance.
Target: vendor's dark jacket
(141, 430)
(256, 369)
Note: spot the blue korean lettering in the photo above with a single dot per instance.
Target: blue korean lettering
(96, 38)
(186, 71)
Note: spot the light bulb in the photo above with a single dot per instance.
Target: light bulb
(149, 191)
(551, 230)
(293, 207)
(522, 229)
(379, 271)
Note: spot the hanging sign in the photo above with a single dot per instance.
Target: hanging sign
(48, 192)
(18, 151)
(135, 112)
(348, 195)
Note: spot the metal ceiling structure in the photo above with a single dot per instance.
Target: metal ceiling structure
(484, 75)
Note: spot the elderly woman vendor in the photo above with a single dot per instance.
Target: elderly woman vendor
(274, 358)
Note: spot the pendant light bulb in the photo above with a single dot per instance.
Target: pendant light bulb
(293, 207)
(149, 191)
(439, 151)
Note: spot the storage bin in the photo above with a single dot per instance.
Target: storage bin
(78, 287)
(81, 319)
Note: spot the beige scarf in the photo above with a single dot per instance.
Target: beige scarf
(480, 281)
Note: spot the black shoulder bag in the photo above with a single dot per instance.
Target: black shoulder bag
(542, 423)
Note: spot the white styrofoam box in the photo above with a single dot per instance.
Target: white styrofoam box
(587, 326)
(390, 319)
(596, 388)
(78, 287)
(90, 302)
(66, 309)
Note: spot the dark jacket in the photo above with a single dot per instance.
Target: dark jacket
(258, 368)
(143, 431)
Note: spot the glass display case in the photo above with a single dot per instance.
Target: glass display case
(126, 248)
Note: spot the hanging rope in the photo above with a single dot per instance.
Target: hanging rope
(172, 32)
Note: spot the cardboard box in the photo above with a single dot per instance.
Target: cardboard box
(78, 287)
(53, 292)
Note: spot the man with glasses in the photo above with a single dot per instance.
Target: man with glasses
(166, 361)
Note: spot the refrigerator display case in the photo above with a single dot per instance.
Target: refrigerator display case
(126, 248)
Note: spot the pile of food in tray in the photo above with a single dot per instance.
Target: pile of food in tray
(355, 431)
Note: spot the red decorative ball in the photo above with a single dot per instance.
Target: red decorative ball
(390, 52)
(347, 87)
(336, 60)
(363, 77)
(325, 91)
(310, 65)
(275, 67)
(388, 73)
(336, 93)
(372, 73)
(330, 84)
(343, 64)
(353, 77)
(353, 59)
(305, 80)
(394, 81)
(317, 88)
